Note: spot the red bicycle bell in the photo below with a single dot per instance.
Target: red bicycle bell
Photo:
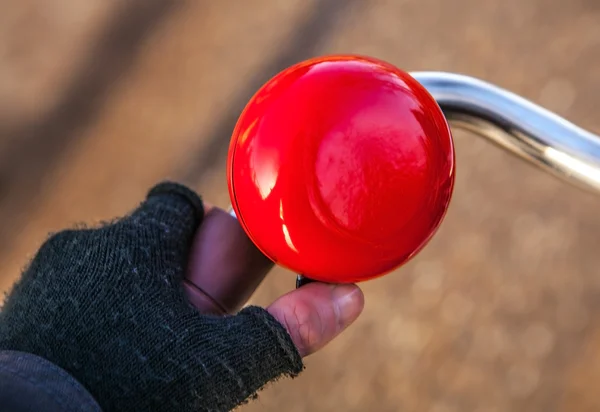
(341, 168)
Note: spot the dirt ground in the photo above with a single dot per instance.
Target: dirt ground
(101, 99)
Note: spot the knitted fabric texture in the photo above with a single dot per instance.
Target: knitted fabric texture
(107, 305)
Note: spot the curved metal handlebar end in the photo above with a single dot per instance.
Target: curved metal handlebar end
(518, 125)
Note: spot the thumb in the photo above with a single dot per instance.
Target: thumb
(316, 313)
(230, 358)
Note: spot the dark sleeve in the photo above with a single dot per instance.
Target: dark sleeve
(29, 383)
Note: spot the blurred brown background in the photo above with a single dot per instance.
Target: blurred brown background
(501, 312)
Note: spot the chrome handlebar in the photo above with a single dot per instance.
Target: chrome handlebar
(518, 125)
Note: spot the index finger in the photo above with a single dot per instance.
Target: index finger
(224, 267)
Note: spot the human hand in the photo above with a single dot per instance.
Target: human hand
(313, 315)
(109, 306)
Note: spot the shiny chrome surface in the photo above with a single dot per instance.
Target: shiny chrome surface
(518, 125)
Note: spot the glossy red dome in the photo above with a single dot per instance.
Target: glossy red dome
(341, 168)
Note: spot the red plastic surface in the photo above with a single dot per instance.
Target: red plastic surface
(341, 168)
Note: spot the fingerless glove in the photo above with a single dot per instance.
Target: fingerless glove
(106, 305)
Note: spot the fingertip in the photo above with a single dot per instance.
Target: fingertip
(175, 193)
(172, 211)
(207, 207)
(349, 301)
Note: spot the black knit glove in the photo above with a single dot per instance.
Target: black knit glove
(107, 305)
